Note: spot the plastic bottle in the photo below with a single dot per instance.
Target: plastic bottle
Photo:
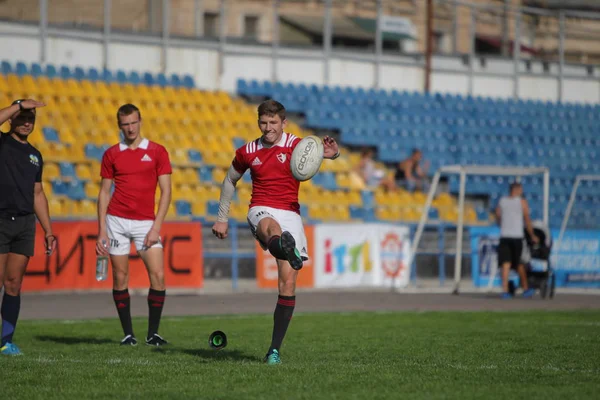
(102, 266)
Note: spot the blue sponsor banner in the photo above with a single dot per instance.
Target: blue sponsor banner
(575, 264)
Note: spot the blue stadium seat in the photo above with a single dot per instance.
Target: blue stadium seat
(50, 134)
(107, 76)
(93, 152)
(188, 82)
(212, 208)
(183, 208)
(121, 76)
(175, 80)
(36, 70)
(238, 142)
(51, 71)
(6, 68)
(148, 79)
(246, 177)
(134, 78)
(93, 75)
(67, 170)
(65, 72)
(79, 73)
(205, 174)
(60, 187)
(22, 69)
(161, 80)
(194, 156)
(76, 190)
(242, 87)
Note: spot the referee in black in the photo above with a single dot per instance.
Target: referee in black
(22, 198)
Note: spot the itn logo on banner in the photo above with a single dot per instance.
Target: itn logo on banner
(358, 255)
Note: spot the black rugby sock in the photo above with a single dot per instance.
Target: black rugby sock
(156, 302)
(122, 302)
(281, 319)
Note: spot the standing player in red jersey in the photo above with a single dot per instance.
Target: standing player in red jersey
(274, 213)
(135, 166)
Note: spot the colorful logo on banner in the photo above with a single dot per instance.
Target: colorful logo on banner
(575, 264)
(392, 255)
(335, 257)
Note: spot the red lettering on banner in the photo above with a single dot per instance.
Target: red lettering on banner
(72, 266)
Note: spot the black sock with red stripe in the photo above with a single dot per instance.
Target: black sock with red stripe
(274, 247)
(156, 301)
(281, 318)
(122, 302)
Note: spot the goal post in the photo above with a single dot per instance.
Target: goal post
(565, 221)
(463, 171)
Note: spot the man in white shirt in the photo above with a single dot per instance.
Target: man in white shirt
(512, 213)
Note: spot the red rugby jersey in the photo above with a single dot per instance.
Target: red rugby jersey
(273, 184)
(135, 174)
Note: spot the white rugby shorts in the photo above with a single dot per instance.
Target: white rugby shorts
(122, 231)
(287, 220)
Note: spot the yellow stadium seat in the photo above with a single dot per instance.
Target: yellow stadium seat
(91, 190)
(238, 211)
(56, 207)
(218, 174)
(171, 212)
(51, 171)
(47, 186)
(3, 84)
(189, 175)
(83, 171)
(95, 167)
(199, 208)
(184, 192)
(177, 177)
(383, 213)
(179, 156)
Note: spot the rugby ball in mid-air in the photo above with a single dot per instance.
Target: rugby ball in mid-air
(307, 158)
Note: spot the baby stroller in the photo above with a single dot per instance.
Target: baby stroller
(536, 259)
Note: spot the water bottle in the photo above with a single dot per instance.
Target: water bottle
(102, 266)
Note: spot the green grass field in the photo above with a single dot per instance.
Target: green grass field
(546, 355)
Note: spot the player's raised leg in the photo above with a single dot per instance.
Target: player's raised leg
(153, 259)
(281, 244)
(120, 268)
(15, 265)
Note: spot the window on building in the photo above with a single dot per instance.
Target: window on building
(211, 24)
(251, 27)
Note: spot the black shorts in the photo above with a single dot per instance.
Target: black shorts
(17, 235)
(510, 250)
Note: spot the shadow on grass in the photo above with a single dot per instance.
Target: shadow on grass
(210, 355)
(73, 340)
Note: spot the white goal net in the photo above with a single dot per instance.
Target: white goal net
(580, 180)
(469, 170)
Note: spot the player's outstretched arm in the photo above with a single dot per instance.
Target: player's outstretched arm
(7, 112)
(330, 148)
(103, 199)
(227, 190)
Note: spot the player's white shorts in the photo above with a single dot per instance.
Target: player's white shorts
(287, 220)
(122, 231)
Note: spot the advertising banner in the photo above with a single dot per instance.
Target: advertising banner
(73, 264)
(266, 265)
(575, 264)
(355, 255)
